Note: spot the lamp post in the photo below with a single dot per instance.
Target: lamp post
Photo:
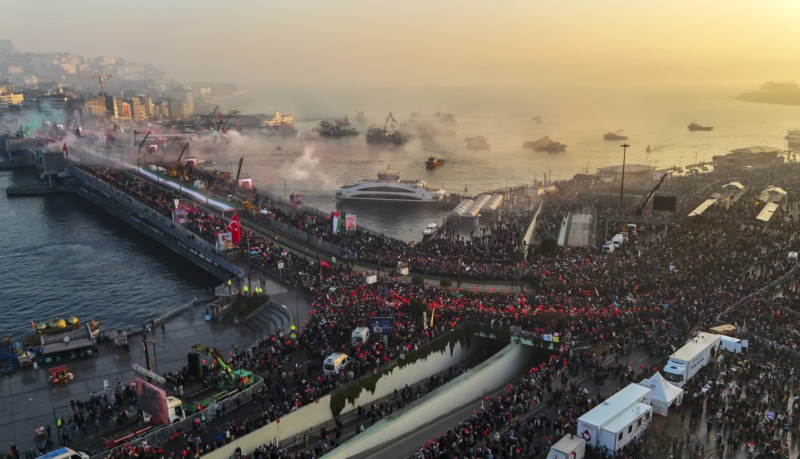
(622, 184)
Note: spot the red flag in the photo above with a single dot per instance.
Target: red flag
(233, 228)
(325, 264)
(64, 149)
(33, 325)
(220, 116)
(237, 123)
(224, 131)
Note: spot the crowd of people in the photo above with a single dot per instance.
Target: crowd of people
(671, 279)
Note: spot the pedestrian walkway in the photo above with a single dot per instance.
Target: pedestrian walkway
(580, 227)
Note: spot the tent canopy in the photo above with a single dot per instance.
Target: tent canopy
(662, 390)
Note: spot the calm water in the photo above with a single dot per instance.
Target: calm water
(577, 117)
(62, 256)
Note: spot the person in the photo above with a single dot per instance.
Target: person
(163, 329)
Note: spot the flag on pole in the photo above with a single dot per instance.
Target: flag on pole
(233, 228)
(337, 222)
(64, 149)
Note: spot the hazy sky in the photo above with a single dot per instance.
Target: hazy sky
(425, 42)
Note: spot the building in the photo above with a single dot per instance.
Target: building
(14, 99)
(632, 172)
(15, 70)
(618, 420)
(750, 156)
(111, 107)
(177, 109)
(183, 95)
(90, 107)
(53, 102)
(3, 106)
(6, 87)
(69, 68)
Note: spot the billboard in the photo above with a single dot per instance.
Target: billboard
(296, 200)
(665, 203)
(152, 400)
(179, 216)
(224, 241)
(246, 184)
(381, 325)
(350, 222)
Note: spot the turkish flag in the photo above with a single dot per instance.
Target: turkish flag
(233, 228)
(64, 149)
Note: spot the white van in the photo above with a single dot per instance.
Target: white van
(360, 336)
(617, 240)
(624, 236)
(335, 363)
(631, 228)
(734, 345)
(792, 256)
(64, 453)
(609, 247)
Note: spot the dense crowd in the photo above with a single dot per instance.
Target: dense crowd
(670, 279)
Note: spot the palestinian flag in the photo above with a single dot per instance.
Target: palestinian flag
(338, 222)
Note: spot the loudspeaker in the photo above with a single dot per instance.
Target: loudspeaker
(194, 365)
(665, 203)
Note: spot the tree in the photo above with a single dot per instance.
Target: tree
(548, 246)
(416, 280)
(446, 283)
(417, 307)
(561, 287)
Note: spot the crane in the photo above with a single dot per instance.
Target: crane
(100, 77)
(174, 171)
(640, 207)
(139, 150)
(390, 117)
(213, 353)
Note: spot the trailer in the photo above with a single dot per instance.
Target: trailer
(688, 360)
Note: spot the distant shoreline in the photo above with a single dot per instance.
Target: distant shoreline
(235, 93)
(769, 98)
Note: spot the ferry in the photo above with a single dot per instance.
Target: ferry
(697, 127)
(389, 187)
(279, 125)
(649, 148)
(615, 136)
(430, 230)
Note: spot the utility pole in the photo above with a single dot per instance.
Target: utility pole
(155, 354)
(285, 200)
(622, 184)
(146, 351)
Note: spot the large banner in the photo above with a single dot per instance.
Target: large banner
(179, 216)
(381, 325)
(296, 200)
(351, 222)
(152, 400)
(224, 241)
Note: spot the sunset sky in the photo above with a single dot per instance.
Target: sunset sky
(416, 42)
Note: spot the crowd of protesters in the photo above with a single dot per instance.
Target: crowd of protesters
(670, 279)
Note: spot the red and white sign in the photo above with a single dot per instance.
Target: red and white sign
(350, 222)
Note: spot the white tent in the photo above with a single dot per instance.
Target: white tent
(663, 394)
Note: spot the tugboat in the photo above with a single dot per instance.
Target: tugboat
(433, 162)
(335, 129)
(377, 134)
(477, 143)
(697, 127)
(538, 119)
(545, 144)
(615, 136)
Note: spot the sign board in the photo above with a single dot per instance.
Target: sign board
(381, 325)
(280, 265)
(350, 222)
(224, 241)
(179, 216)
(246, 184)
(371, 279)
(152, 400)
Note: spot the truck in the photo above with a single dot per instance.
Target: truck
(569, 447)
(688, 360)
(132, 428)
(226, 384)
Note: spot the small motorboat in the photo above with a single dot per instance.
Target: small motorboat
(278, 147)
(430, 230)
(433, 162)
(649, 148)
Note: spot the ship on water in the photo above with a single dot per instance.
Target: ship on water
(793, 137)
(545, 144)
(615, 136)
(361, 118)
(377, 134)
(282, 125)
(389, 187)
(477, 142)
(336, 129)
(697, 127)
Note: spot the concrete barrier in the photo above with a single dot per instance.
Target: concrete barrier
(487, 377)
(320, 413)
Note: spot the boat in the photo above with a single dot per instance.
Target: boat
(697, 127)
(538, 119)
(793, 137)
(615, 136)
(361, 118)
(377, 134)
(336, 129)
(282, 125)
(545, 144)
(433, 162)
(389, 187)
(278, 147)
(477, 143)
(649, 148)
(430, 230)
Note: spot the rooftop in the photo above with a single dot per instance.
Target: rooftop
(754, 150)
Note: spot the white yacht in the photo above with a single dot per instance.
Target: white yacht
(389, 187)
(793, 137)
(430, 230)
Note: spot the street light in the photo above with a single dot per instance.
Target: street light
(622, 185)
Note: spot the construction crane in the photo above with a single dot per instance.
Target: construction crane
(100, 78)
(139, 150)
(213, 353)
(174, 171)
(238, 173)
(640, 208)
(390, 117)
